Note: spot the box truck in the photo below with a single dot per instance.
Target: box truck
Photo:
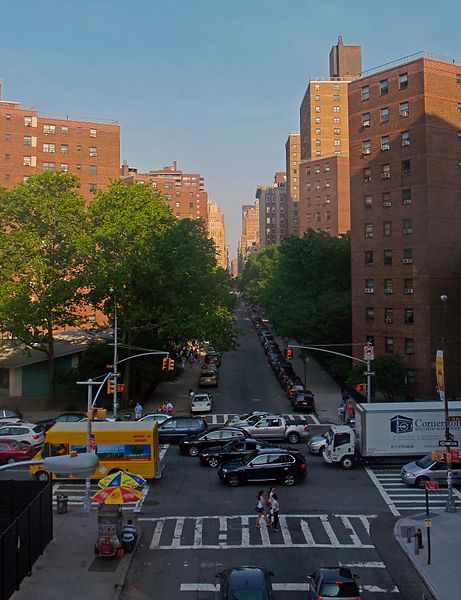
(391, 430)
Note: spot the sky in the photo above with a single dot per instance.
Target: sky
(214, 84)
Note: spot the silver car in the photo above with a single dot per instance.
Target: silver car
(246, 419)
(316, 443)
(427, 469)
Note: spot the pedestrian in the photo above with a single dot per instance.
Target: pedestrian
(163, 409)
(261, 510)
(169, 408)
(341, 413)
(129, 536)
(191, 394)
(274, 512)
(350, 410)
(137, 411)
(270, 495)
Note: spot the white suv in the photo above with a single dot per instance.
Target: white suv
(23, 432)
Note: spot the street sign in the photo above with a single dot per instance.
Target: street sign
(368, 352)
(427, 522)
(448, 443)
(432, 485)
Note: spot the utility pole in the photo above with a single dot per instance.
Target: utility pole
(115, 367)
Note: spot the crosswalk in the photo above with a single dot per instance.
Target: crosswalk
(338, 531)
(402, 498)
(221, 419)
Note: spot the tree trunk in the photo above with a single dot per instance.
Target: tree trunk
(51, 374)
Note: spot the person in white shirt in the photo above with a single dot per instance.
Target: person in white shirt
(169, 409)
(275, 512)
(137, 411)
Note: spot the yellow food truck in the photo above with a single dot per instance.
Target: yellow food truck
(120, 445)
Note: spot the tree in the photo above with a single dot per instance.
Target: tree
(257, 274)
(389, 375)
(42, 252)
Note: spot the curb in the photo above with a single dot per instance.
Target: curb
(124, 568)
(413, 561)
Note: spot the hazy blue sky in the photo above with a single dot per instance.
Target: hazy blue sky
(213, 84)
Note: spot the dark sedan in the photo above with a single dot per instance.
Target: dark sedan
(233, 450)
(193, 445)
(245, 583)
(175, 429)
(68, 417)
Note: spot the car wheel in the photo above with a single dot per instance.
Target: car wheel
(233, 481)
(293, 438)
(10, 461)
(42, 476)
(347, 462)
(213, 462)
(289, 480)
(421, 482)
(193, 451)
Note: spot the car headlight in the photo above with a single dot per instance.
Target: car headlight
(409, 475)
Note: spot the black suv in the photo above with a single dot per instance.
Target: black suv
(333, 582)
(268, 464)
(233, 450)
(304, 401)
(175, 429)
(193, 444)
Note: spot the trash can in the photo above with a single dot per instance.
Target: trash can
(128, 417)
(62, 500)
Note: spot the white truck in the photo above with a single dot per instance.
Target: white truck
(390, 430)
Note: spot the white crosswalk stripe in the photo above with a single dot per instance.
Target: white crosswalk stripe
(401, 497)
(278, 587)
(232, 532)
(220, 419)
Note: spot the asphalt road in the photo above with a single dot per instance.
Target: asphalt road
(193, 526)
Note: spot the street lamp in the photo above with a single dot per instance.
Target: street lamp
(79, 465)
(115, 370)
(450, 505)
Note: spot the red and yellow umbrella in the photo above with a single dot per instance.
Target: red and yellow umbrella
(117, 495)
(122, 479)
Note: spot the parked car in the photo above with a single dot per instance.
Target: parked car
(201, 403)
(212, 358)
(267, 464)
(316, 443)
(10, 413)
(20, 431)
(241, 420)
(67, 417)
(233, 450)
(304, 401)
(158, 417)
(333, 582)
(192, 445)
(12, 451)
(294, 389)
(245, 582)
(427, 469)
(208, 378)
(277, 428)
(174, 429)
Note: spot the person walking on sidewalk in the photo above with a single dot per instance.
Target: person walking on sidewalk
(261, 510)
(137, 411)
(169, 408)
(275, 512)
(269, 498)
(191, 394)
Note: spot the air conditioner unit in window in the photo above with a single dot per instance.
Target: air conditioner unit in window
(408, 290)
(407, 261)
(385, 175)
(366, 152)
(366, 123)
(388, 290)
(388, 319)
(405, 142)
(387, 204)
(408, 230)
(404, 113)
(369, 290)
(385, 147)
(369, 234)
(407, 201)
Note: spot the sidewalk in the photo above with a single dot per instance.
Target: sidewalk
(443, 575)
(69, 567)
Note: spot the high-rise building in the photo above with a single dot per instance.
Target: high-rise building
(249, 241)
(31, 143)
(345, 61)
(184, 192)
(234, 267)
(405, 137)
(293, 157)
(272, 211)
(217, 231)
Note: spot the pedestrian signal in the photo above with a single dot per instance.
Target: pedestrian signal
(165, 364)
(361, 387)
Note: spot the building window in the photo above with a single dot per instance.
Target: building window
(92, 169)
(6, 157)
(387, 202)
(370, 340)
(406, 197)
(326, 168)
(366, 147)
(64, 149)
(317, 109)
(407, 226)
(317, 216)
(7, 138)
(388, 286)
(369, 286)
(27, 121)
(383, 87)
(369, 314)
(327, 183)
(49, 129)
(368, 230)
(25, 178)
(405, 138)
(317, 97)
(336, 98)
(336, 109)
(409, 316)
(337, 131)
(92, 187)
(78, 167)
(403, 81)
(385, 171)
(327, 199)
(387, 255)
(409, 346)
(384, 115)
(368, 257)
(367, 175)
(27, 161)
(335, 87)
(406, 169)
(389, 345)
(93, 132)
(336, 120)
(65, 130)
(317, 120)
(385, 142)
(317, 131)
(78, 129)
(93, 151)
(366, 119)
(64, 167)
(337, 152)
(8, 117)
(318, 142)
(49, 148)
(337, 142)
(408, 286)
(404, 109)
(6, 177)
(79, 148)
(328, 215)
(388, 315)
(407, 256)
(365, 93)
(387, 228)
(410, 378)
(49, 166)
(317, 87)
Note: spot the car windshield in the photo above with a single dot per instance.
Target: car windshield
(242, 417)
(425, 462)
(208, 374)
(250, 457)
(343, 589)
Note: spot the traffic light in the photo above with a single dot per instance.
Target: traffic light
(110, 386)
(289, 353)
(361, 387)
(170, 364)
(165, 364)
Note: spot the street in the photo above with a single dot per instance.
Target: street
(193, 526)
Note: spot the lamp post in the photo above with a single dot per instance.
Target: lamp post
(115, 368)
(68, 464)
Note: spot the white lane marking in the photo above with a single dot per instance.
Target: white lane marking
(375, 588)
(277, 587)
(265, 536)
(222, 530)
(363, 565)
(285, 531)
(290, 516)
(307, 533)
(329, 530)
(177, 533)
(245, 531)
(347, 524)
(387, 499)
(140, 502)
(198, 531)
(155, 543)
(314, 418)
(366, 522)
(163, 450)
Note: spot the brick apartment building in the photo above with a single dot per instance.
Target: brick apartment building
(405, 157)
(273, 211)
(184, 192)
(249, 240)
(324, 200)
(293, 158)
(31, 143)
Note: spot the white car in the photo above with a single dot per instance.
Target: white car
(201, 403)
(158, 417)
(246, 419)
(20, 431)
